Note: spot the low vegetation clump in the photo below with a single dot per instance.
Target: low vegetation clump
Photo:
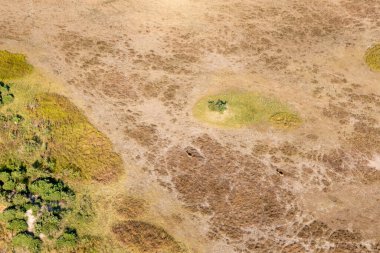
(218, 105)
(27, 242)
(13, 65)
(372, 57)
(241, 109)
(285, 119)
(6, 96)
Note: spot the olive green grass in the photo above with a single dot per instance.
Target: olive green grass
(13, 65)
(244, 109)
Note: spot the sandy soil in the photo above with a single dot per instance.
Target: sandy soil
(137, 67)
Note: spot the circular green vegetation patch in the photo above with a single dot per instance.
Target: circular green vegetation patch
(372, 57)
(13, 65)
(240, 109)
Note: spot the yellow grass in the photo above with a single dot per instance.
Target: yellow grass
(75, 143)
(13, 65)
(372, 57)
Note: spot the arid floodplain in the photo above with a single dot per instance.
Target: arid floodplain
(172, 126)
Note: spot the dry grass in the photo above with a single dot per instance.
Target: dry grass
(144, 237)
(129, 206)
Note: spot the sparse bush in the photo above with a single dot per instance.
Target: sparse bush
(91, 244)
(218, 105)
(68, 240)
(27, 241)
(86, 210)
(6, 96)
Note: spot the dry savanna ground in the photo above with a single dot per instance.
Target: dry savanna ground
(138, 67)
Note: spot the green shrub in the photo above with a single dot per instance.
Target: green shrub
(11, 214)
(50, 189)
(27, 241)
(9, 185)
(6, 96)
(4, 87)
(18, 176)
(35, 206)
(4, 176)
(86, 210)
(17, 225)
(218, 105)
(68, 240)
(47, 224)
(19, 199)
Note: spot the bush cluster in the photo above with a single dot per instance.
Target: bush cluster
(6, 96)
(40, 207)
(49, 200)
(218, 105)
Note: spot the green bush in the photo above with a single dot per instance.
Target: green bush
(218, 105)
(68, 240)
(20, 187)
(9, 185)
(17, 225)
(11, 214)
(6, 96)
(4, 176)
(50, 189)
(19, 199)
(35, 206)
(27, 241)
(18, 176)
(47, 224)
